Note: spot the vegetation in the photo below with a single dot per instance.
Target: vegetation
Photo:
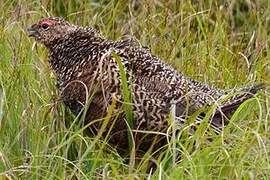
(224, 43)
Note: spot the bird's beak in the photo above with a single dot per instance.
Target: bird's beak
(32, 32)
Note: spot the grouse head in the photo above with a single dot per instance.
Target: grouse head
(48, 30)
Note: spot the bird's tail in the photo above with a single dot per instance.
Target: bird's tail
(223, 113)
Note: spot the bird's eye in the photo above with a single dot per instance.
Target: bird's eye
(45, 26)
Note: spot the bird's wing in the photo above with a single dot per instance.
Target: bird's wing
(160, 79)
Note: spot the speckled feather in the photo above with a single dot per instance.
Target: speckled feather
(83, 63)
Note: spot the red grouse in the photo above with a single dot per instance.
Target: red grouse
(86, 67)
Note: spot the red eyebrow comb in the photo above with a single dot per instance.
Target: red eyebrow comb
(47, 21)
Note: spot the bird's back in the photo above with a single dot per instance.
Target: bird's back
(158, 87)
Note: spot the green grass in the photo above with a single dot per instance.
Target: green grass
(222, 43)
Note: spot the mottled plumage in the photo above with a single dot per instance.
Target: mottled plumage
(83, 63)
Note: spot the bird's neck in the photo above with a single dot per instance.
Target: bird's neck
(71, 53)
